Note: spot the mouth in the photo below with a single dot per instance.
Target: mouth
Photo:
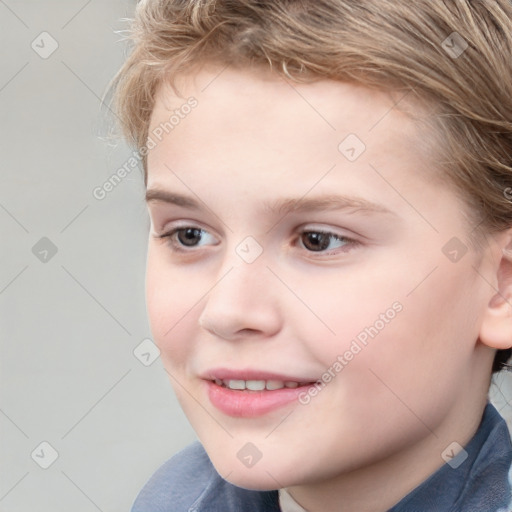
(258, 385)
(255, 395)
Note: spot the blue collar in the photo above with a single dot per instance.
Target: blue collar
(479, 484)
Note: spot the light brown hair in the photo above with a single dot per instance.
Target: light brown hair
(455, 55)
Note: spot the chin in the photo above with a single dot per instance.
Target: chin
(261, 476)
(254, 481)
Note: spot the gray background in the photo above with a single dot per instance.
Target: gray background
(69, 325)
(70, 321)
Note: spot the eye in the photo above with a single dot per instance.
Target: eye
(188, 236)
(320, 241)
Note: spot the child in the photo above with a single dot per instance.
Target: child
(329, 266)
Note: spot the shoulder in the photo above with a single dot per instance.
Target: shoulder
(177, 483)
(477, 480)
(488, 484)
(189, 482)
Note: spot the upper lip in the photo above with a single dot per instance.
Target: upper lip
(250, 374)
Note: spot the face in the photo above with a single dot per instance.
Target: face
(300, 249)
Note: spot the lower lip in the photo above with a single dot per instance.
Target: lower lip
(250, 404)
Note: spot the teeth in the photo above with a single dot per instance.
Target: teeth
(256, 385)
(235, 384)
(274, 384)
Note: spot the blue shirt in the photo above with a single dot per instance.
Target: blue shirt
(188, 482)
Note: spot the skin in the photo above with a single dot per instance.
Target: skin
(378, 428)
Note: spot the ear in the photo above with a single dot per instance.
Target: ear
(496, 328)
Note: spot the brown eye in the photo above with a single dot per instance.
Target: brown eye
(318, 241)
(189, 236)
(188, 239)
(315, 241)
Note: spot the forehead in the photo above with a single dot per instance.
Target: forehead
(250, 126)
(287, 116)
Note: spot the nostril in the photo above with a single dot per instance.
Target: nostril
(249, 332)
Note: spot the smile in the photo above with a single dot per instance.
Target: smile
(251, 398)
(257, 385)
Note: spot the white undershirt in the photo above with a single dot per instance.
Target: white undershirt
(287, 503)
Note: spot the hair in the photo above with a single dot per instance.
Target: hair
(465, 78)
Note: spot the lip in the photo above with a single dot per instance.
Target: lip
(250, 374)
(251, 404)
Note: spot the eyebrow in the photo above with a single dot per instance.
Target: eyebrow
(282, 206)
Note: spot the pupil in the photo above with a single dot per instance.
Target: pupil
(189, 236)
(316, 241)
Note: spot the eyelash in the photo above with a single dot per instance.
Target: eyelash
(177, 247)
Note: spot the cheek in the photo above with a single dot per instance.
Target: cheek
(348, 310)
(421, 357)
(172, 301)
(413, 338)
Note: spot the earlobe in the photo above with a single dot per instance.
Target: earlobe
(496, 328)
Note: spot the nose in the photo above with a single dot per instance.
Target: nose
(243, 303)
